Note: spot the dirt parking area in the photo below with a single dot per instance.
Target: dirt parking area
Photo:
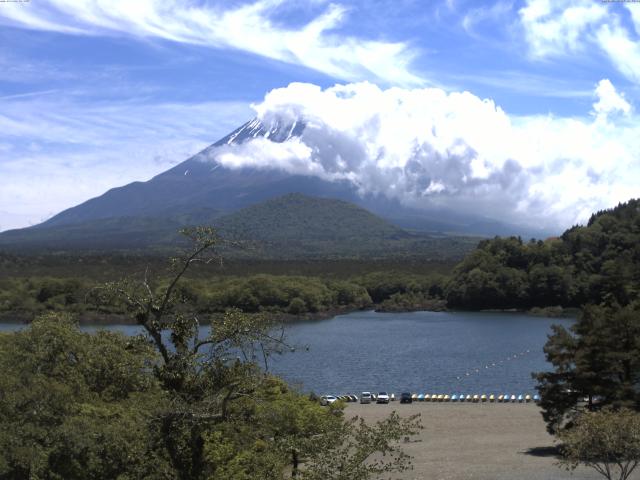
(483, 441)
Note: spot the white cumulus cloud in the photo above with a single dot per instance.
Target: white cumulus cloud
(429, 148)
(609, 100)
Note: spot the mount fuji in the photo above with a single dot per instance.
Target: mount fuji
(200, 190)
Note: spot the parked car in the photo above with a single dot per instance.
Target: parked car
(328, 399)
(365, 397)
(405, 397)
(383, 397)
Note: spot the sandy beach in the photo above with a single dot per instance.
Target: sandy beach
(477, 441)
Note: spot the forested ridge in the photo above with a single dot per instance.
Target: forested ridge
(292, 226)
(596, 263)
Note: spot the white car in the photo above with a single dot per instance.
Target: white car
(328, 399)
(383, 397)
(365, 397)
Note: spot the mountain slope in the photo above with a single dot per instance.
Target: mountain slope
(296, 217)
(196, 183)
(299, 226)
(293, 226)
(296, 225)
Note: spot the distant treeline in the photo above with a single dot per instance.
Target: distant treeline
(296, 295)
(596, 263)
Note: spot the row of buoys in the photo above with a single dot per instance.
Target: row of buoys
(497, 363)
(503, 398)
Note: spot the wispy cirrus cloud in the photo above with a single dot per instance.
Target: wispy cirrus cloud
(527, 83)
(559, 26)
(566, 27)
(497, 12)
(316, 44)
(56, 152)
(623, 51)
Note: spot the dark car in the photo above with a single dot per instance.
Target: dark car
(405, 397)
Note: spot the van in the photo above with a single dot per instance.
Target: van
(365, 397)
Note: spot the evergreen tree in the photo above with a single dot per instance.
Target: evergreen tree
(598, 358)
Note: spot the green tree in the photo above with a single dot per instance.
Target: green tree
(199, 375)
(74, 405)
(226, 418)
(598, 358)
(359, 450)
(607, 441)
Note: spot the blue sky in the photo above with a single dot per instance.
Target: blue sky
(98, 93)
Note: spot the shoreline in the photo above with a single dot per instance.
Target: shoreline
(92, 318)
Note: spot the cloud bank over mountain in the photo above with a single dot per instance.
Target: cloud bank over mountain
(430, 148)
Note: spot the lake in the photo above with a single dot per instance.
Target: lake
(428, 352)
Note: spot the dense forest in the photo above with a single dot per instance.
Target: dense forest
(23, 298)
(596, 263)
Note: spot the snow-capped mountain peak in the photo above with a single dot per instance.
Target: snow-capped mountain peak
(276, 131)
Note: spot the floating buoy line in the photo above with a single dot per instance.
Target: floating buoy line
(498, 363)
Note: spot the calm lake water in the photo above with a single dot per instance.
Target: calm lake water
(428, 352)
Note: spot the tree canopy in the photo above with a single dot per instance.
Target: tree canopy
(598, 358)
(607, 441)
(170, 404)
(588, 264)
